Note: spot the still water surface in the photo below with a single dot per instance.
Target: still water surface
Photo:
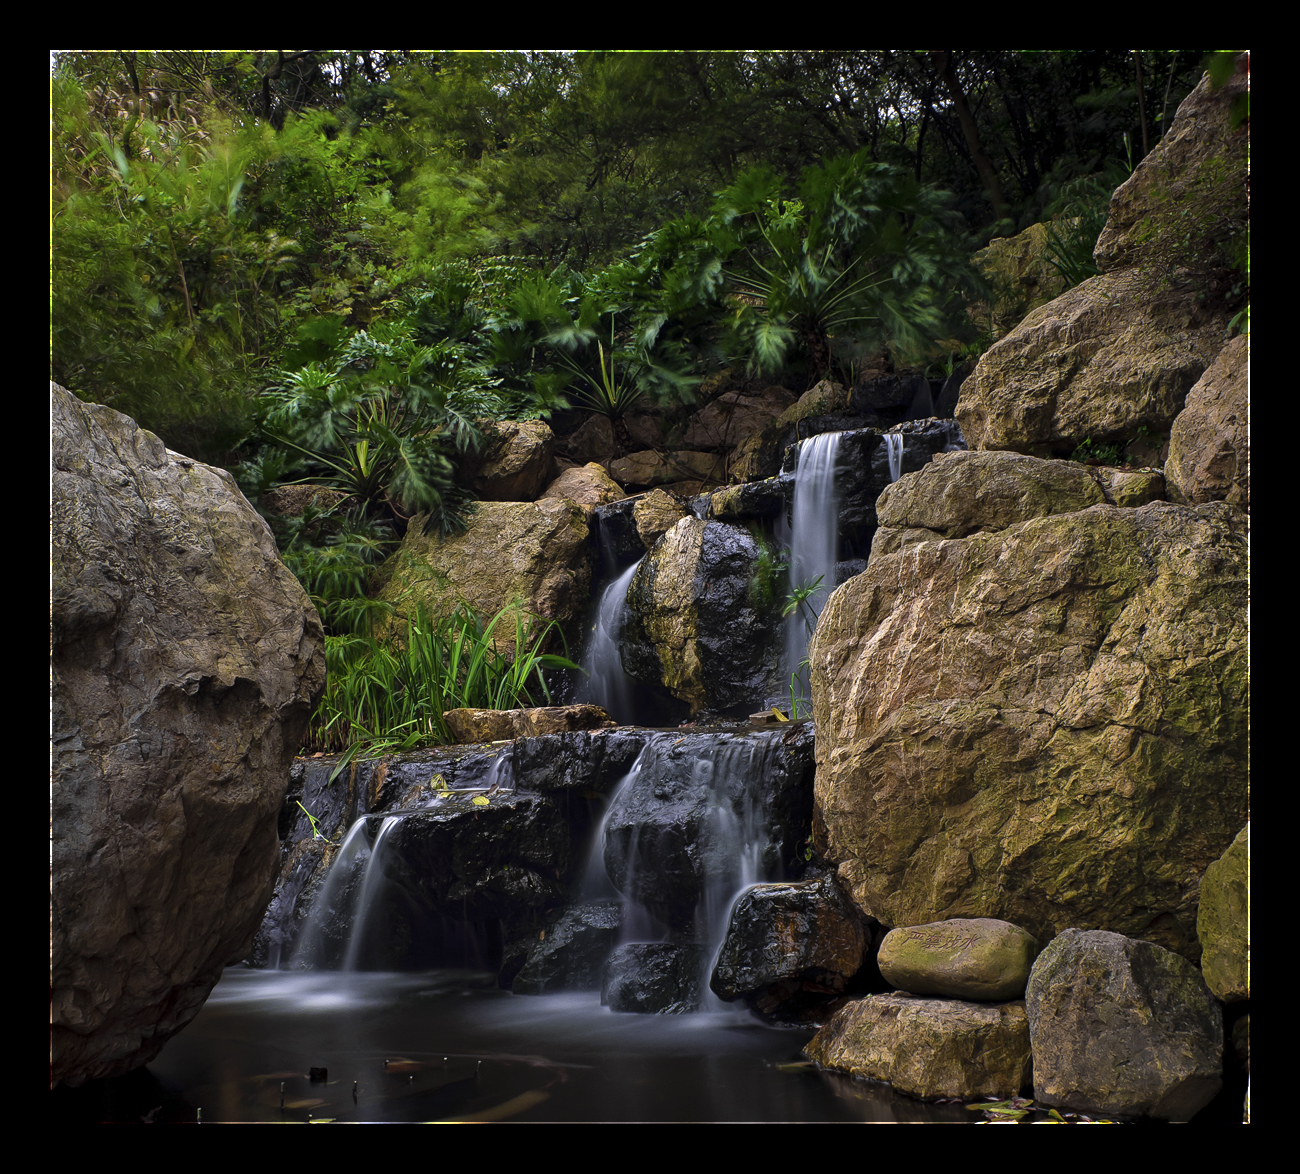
(447, 1045)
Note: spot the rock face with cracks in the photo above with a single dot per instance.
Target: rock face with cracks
(1045, 725)
(186, 662)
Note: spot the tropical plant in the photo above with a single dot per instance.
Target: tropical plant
(386, 420)
(799, 601)
(383, 696)
(865, 255)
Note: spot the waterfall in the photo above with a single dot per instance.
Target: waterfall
(606, 683)
(686, 832)
(372, 881)
(894, 448)
(814, 548)
(325, 939)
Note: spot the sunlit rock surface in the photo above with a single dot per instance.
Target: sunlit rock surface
(1223, 922)
(186, 662)
(1045, 725)
(535, 554)
(1120, 351)
(1209, 448)
(976, 958)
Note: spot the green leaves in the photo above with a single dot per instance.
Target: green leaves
(384, 696)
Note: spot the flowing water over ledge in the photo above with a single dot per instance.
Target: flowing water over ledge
(457, 1048)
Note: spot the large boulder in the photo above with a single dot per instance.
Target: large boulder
(693, 624)
(1045, 725)
(1122, 1027)
(1209, 447)
(1117, 354)
(963, 493)
(534, 555)
(186, 663)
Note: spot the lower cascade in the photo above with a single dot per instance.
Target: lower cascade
(694, 821)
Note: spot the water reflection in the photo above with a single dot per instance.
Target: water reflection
(447, 1045)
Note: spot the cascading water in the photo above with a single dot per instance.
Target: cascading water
(814, 541)
(686, 832)
(326, 939)
(372, 882)
(605, 682)
(894, 450)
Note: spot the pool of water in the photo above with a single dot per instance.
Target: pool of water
(448, 1046)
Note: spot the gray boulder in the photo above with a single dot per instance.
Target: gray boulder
(1122, 1027)
(186, 663)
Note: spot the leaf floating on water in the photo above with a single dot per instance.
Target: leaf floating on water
(480, 800)
(795, 1066)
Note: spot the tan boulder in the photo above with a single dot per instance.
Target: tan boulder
(962, 493)
(1118, 353)
(1045, 725)
(1022, 275)
(534, 555)
(588, 486)
(1209, 447)
(1115, 354)
(1193, 183)
(929, 1047)
(735, 415)
(1223, 922)
(516, 462)
(654, 514)
(655, 468)
(495, 725)
(185, 663)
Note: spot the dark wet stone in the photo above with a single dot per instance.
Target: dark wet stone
(654, 978)
(570, 955)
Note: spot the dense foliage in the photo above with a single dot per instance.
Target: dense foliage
(333, 266)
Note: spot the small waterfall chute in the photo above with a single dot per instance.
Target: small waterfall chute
(894, 450)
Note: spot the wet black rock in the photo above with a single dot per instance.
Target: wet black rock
(790, 949)
(654, 978)
(570, 955)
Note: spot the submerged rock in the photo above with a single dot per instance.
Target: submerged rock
(654, 978)
(929, 1047)
(571, 955)
(1122, 1027)
(186, 661)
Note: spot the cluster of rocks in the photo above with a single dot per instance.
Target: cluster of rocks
(980, 1012)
